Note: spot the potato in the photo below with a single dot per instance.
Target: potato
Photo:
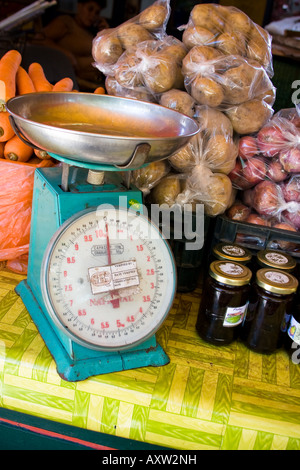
(238, 21)
(176, 49)
(185, 159)
(213, 190)
(207, 91)
(219, 194)
(232, 43)
(213, 121)
(166, 191)
(112, 86)
(207, 16)
(198, 56)
(268, 96)
(178, 79)
(131, 34)
(154, 17)
(146, 178)
(259, 46)
(178, 100)
(238, 82)
(262, 86)
(220, 154)
(249, 117)
(198, 36)
(127, 71)
(259, 52)
(161, 73)
(259, 34)
(107, 48)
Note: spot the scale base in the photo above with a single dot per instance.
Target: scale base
(73, 370)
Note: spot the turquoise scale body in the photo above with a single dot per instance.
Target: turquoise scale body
(51, 207)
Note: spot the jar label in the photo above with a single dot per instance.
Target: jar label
(233, 250)
(285, 323)
(294, 330)
(235, 315)
(277, 258)
(278, 277)
(230, 268)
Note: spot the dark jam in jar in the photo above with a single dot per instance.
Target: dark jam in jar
(232, 252)
(224, 302)
(271, 301)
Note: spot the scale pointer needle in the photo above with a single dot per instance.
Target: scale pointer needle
(115, 302)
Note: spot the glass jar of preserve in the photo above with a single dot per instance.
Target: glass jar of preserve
(224, 302)
(284, 262)
(271, 301)
(232, 252)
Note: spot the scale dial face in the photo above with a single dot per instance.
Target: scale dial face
(108, 278)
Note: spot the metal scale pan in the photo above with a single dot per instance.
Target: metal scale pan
(99, 129)
(101, 280)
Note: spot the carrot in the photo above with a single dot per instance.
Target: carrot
(2, 149)
(35, 161)
(42, 154)
(6, 130)
(24, 82)
(38, 77)
(65, 84)
(9, 64)
(99, 91)
(16, 150)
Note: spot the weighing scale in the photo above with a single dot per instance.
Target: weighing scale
(101, 278)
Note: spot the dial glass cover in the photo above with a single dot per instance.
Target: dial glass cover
(108, 278)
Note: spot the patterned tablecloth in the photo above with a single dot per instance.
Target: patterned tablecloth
(205, 398)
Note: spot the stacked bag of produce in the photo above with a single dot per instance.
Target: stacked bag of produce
(267, 173)
(219, 73)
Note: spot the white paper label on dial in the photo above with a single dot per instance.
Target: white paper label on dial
(116, 276)
(113, 297)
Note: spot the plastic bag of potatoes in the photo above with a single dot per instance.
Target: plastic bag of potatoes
(238, 86)
(202, 167)
(154, 65)
(214, 146)
(200, 186)
(229, 31)
(109, 44)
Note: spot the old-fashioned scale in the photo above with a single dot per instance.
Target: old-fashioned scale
(101, 277)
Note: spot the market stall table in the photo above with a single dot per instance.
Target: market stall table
(205, 398)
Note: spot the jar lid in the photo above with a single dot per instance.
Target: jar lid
(276, 259)
(230, 273)
(232, 252)
(276, 281)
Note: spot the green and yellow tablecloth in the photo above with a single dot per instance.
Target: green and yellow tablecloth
(205, 398)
